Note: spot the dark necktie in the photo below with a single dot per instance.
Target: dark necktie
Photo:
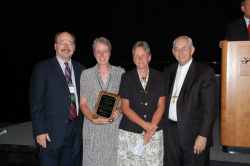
(73, 113)
(249, 29)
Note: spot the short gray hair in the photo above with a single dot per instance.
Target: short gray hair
(190, 42)
(143, 45)
(102, 40)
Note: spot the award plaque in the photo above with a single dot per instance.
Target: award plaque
(106, 104)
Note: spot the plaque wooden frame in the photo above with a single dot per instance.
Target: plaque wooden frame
(106, 104)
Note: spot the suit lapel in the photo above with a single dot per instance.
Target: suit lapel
(171, 81)
(150, 80)
(136, 80)
(58, 70)
(243, 27)
(77, 76)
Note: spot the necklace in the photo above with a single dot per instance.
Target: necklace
(101, 85)
(143, 80)
(97, 72)
(178, 85)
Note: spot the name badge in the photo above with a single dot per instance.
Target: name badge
(72, 89)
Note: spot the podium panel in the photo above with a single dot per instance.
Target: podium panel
(235, 94)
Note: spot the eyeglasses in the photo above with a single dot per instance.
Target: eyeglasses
(64, 44)
(183, 49)
(105, 52)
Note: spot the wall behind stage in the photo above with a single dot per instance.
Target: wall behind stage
(28, 29)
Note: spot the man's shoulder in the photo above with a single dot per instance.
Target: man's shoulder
(202, 65)
(236, 22)
(79, 65)
(202, 68)
(45, 63)
(170, 67)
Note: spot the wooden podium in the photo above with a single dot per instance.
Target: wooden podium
(235, 94)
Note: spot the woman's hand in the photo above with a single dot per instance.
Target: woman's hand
(147, 137)
(116, 114)
(149, 127)
(101, 121)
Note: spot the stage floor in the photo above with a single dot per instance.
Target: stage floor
(19, 138)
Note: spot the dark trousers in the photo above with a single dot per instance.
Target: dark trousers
(175, 155)
(68, 154)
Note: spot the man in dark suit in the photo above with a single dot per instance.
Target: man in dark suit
(191, 107)
(54, 105)
(239, 29)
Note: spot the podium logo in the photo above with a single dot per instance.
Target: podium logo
(246, 60)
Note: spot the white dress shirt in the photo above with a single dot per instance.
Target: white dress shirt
(179, 79)
(247, 21)
(61, 62)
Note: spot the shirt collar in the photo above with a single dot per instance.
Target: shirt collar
(62, 61)
(247, 21)
(186, 66)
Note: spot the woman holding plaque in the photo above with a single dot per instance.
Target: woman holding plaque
(100, 134)
(143, 101)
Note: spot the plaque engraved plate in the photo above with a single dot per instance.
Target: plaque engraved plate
(106, 104)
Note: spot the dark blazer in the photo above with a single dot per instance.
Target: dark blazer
(144, 103)
(50, 101)
(237, 30)
(197, 103)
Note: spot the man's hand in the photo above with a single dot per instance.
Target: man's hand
(200, 144)
(221, 43)
(41, 139)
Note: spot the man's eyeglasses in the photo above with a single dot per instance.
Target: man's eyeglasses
(183, 49)
(64, 44)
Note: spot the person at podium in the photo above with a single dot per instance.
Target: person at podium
(239, 29)
(191, 107)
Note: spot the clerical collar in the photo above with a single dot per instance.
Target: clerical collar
(186, 66)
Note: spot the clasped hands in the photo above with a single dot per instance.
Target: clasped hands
(150, 131)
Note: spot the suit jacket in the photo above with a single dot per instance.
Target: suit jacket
(143, 102)
(237, 30)
(50, 101)
(197, 103)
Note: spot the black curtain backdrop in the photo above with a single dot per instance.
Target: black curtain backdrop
(28, 29)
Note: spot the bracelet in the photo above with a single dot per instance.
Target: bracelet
(153, 133)
(154, 125)
(120, 109)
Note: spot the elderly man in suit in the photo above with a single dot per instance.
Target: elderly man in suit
(191, 107)
(54, 105)
(239, 29)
